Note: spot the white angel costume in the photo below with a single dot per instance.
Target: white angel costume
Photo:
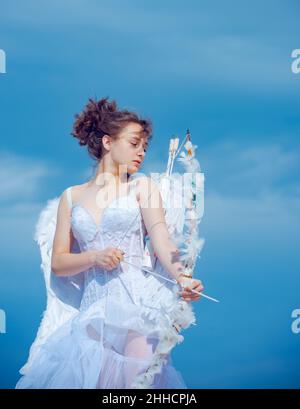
(107, 329)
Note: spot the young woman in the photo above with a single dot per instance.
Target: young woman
(109, 342)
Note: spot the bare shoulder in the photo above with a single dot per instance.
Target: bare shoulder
(76, 191)
(144, 182)
(146, 187)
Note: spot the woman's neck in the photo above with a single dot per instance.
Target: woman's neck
(105, 179)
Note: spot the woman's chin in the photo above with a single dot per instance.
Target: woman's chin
(133, 169)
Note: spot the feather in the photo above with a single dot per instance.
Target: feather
(63, 293)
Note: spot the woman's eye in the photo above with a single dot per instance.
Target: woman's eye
(136, 144)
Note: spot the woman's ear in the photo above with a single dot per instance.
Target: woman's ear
(106, 141)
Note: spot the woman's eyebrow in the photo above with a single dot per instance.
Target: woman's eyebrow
(139, 139)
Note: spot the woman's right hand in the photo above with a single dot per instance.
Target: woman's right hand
(109, 258)
(188, 284)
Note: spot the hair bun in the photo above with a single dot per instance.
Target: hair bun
(100, 118)
(88, 123)
(104, 105)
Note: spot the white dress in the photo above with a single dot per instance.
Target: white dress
(114, 335)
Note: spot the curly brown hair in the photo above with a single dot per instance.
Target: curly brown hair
(100, 118)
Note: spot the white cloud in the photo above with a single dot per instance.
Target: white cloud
(211, 49)
(221, 59)
(21, 177)
(21, 180)
(251, 208)
(252, 171)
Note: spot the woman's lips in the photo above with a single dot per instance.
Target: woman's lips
(136, 162)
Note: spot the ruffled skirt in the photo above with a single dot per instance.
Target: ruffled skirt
(101, 348)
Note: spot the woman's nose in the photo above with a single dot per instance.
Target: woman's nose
(142, 154)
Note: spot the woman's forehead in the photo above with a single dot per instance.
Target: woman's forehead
(137, 132)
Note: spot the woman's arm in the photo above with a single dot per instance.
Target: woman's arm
(165, 249)
(154, 219)
(63, 262)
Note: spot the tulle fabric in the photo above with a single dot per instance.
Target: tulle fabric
(91, 352)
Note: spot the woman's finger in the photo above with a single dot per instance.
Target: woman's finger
(115, 259)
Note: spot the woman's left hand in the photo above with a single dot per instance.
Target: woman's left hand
(190, 284)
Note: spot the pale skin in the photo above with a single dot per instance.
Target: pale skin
(118, 160)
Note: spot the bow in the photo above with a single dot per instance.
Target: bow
(173, 315)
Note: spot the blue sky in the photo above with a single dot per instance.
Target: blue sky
(221, 68)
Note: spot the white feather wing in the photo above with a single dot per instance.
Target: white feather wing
(63, 293)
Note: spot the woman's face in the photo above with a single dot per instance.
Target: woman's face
(129, 149)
